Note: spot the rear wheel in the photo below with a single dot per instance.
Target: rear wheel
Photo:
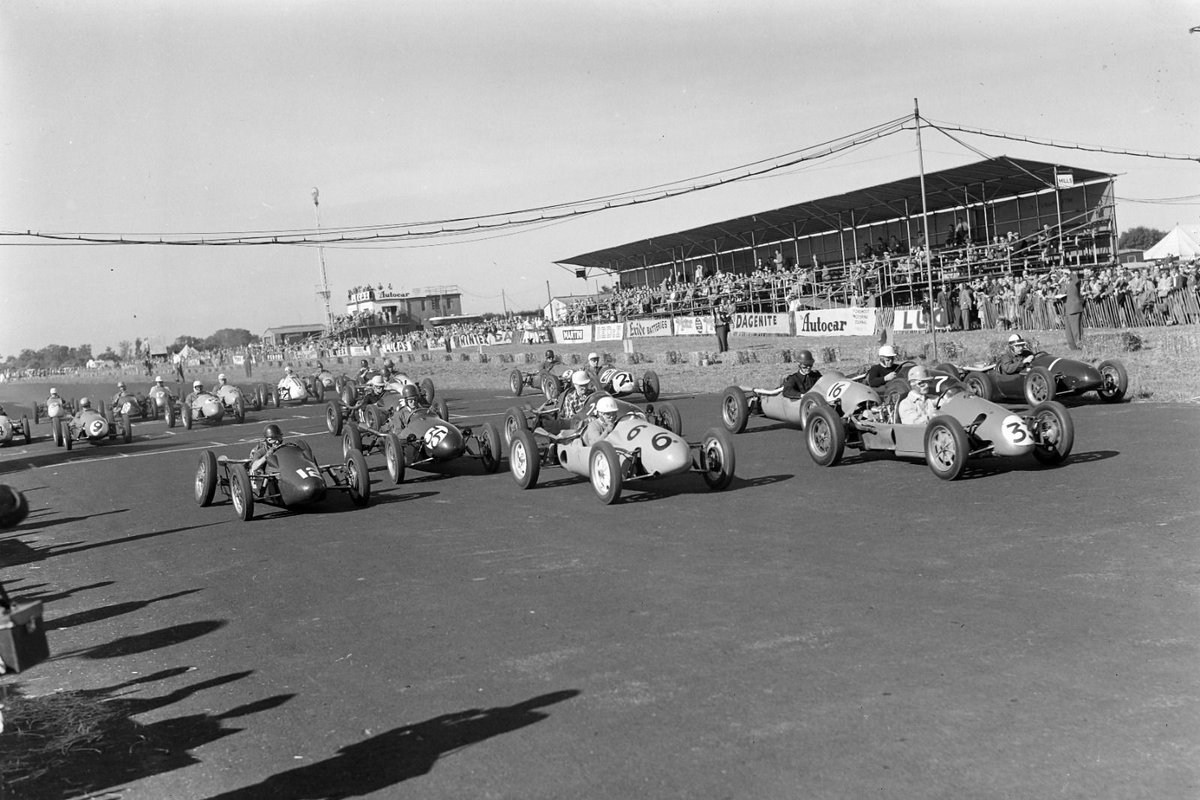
(275, 397)
(240, 492)
(490, 447)
(516, 382)
(359, 478)
(206, 478)
(25, 427)
(1053, 431)
(393, 452)
(441, 409)
(650, 385)
(824, 435)
(514, 420)
(980, 383)
(946, 447)
(604, 470)
(735, 409)
(1115, 381)
(56, 431)
(36, 415)
(672, 420)
(68, 436)
(373, 417)
(186, 414)
(126, 429)
(333, 417)
(351, 441)
(260, 394)
(523, 460)
(318, 389)
(1039, 386)
(427, 390)
(169, 413)
(718, 461)
(239, 408)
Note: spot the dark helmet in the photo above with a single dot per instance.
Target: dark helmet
(549, 354)
(805, 357)
(272, 433)
(363, 364)
(409, 393)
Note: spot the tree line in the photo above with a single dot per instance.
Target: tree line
(60, 356)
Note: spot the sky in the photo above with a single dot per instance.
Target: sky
(165, 118)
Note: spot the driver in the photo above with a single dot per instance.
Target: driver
(221, 380)
(373, 390)
(550, 361)
(389, 369)
(885, 370)
(197, 390)
(1016, 357)
(573, 402)
(410, 399)
(120, 393)
(272, 441)
(364, 369)
(919, 405)
(601, 421)
(593, 366)
(804, 378)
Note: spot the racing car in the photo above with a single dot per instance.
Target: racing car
(620, 383)
(637, 448)
(292, 387)
(204, 406)
(966, 426)
(234, 401)
(1046, 377)
(420, 437)
(292, 478)
(551, 382)
(11, 427)
(530, 417)
(54, 406)
(164, 401)
(90, 425)
(135, 404)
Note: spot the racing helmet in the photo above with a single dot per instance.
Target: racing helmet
(607, 406)
(580, 379)
(805, 358)
(120, 384)
(287, 370)
(363, 364)
(158, 379)
(272, 434)
(919, 378)
(53, 392)
(409, 394)
(549, 355)
(197, 385)
(887, 351)
(222, 377)
(377, 382)
(1016, 343)
(594, 357)
(85, 403)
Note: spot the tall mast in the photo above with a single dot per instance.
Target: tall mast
(323, 290)
(925, 228)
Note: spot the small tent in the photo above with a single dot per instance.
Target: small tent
(1182, 242)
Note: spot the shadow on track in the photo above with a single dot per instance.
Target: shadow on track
(145, 642)
(13, 551)
(109, 611)
(397, 755)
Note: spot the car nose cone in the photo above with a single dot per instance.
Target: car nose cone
(450, 446)
(303, 491)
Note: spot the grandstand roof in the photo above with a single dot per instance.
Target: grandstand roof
(988, 180)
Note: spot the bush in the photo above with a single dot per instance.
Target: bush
(1130, 342)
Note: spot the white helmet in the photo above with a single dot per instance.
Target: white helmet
(918, 373)
(120, 384)
(85, 403)
(287, 370)
(378, 382)
(1014, 338)
(221, 377)
(606, 405)
(580, 378)
(593, 356)
(53, 391)
(158, 379)
(197, 385)
(887, 351)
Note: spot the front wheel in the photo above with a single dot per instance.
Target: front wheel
(946, 447)
(206, 478)
(980, 384)
(490, 451)
(240, 492)
(524, 462)
(1114, 381)
(672, 420)
(427, 390)
(126, 429)
(735, 409)
(824, 435)
(333, 417)
(1053, 432)
(393, 453)
(516, 382)
(351, 441)
(25, 427)
(441, 409)
(359, 478)
(604, 469)
(239, 408)
(169, 413)
(550, 389)
(56, 431)
(514, 420)
(1040, 386)
(717, 459)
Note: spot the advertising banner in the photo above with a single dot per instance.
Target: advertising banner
(573, 334)
(836, 322)
(359, 350)
(239, 360)
(745, 322)
(608, 331)
(910, 319)
(649, 327)
(694, 326)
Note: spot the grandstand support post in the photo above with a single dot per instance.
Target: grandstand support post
(925, 227)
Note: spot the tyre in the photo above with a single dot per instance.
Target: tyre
(550, 387)
(185, 414)
(980, 384)
(359, 478)
(946, 447)
(260, 394)
(824, 435)
(672, 420)
(524, 462)
(153, 412)
(68, 436)
(56, 431)
(604, 471)
(427, 390)
(25, 427)
(1115, 381)
(892, 392)
(275, 397)
(516, 382)
(1053, 431)
(441, 409)
(169, 414)
(240, 492)
(126, 429)
(318, 390)
(36, 416)
(514, 420)
(373, 417)
(718, 459)
(349, 396)
(489, 440)
(239, 408)
(333, 417)
(808, 401)
(650, 385)
(352, 440)
(206, 478)
(393, 451)
(735, 409)
(1040, 386)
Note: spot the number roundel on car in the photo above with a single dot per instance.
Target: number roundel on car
(1015, 430)
(96, 427)
(606, 374)
(435, 434)
(622, 382)
(835, 390)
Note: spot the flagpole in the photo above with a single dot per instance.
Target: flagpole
(323, 292)
(925, 228)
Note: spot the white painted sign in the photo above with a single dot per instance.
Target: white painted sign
(694, 326)
(649, 327)
(836, 322)
(608, 331)
(573, 334)
(745, 322)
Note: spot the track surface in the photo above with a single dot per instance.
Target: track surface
(864, 630)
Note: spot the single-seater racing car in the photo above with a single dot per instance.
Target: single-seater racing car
(634, 446)
(234, 401)
(11, 427)
(205, 406)
(621, 383)
(1046, 377)
(96, 426)
(292, 387)
(551, 381)
(54, 406)
(966, 426)
(291, 478)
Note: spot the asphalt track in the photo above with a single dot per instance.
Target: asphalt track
(860, 631)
